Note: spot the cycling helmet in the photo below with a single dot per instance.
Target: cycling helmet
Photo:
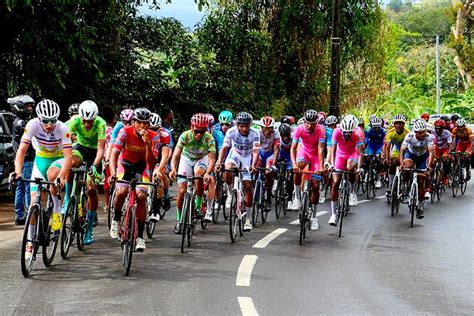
(126, 115)
(18, 103)
(320, 119)
(301, 121)
(353, 118)
(376, 122)
(348, 124)
(244, 118)
(444, 117)
(226, 117)
(285, 120)
(455, 117)
(88, 110)
(155, 120)
(460, 122)
(323, 114)
(285, 129)
(361, 120)
(142, 115)
(267, 121)
(425, 116)
(47, 109)
(440, 123)
(371, 117)
(73, 109)
(399, 118)
(310, 116)
(200, 120)
(331, 119)
(211, 118)
(420, 125)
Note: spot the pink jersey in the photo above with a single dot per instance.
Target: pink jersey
(309, 141)
(346, 147)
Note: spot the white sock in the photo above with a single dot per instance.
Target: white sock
(333, 207)
(315, 210)
(297, 192)
(31, 231)
(209, 205)
(56, 204)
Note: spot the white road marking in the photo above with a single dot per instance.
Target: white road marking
(318, 214)
(262, 243)
(246, 306)
(245, 270)
(362, 201)
(380, 197)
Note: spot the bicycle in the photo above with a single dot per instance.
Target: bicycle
(188, 218)
(128, 226)
(343, 206)
(219, 201)
(150, 196)
(436, 182)
(413, 202)
(458, 179)
(370, 175)
(282, 194)
(236, 216)
(43, 235)
(397, 192)
(259, 198)
(305, 211)
(75, 219)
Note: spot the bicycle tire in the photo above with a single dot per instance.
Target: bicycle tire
(233, 218)
(223, 202)
(129, 244)
(278, 199)
(455, 184)
(27, 266)
(81, 223)
(216, 208)
(150, 228)
(462, 182)
(241, 222)
(51, 241)
(67, 230)
(412, 206)
(110, 209)
(264, 214)
(184, 220)
(395, 202)
(256, 201)
(303, 216)
(284, 201)
(340, 209)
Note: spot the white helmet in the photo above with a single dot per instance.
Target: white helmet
(352, 118)
(376, 122)
(47, 109)
(155, 120)
(420, 125)
(331, 119)
(460, 122)
(88, 110)
(348, 124)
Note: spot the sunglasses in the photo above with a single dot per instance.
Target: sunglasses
(347, 133)
(225, 124)
(49, 121)
(199, 131)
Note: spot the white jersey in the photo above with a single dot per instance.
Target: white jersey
(418, 147)
(267, 144)
(47, 145)
(242, 145)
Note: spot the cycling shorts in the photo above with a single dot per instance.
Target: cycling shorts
(40, 169)
(240, 162)
(86, 154)
(441, 152)
(285, 157)
(341, 160)
(138, 170)
(464, 147)
(265, 159)
(419, 161)
(374, 149)
(306, 157)
(188, 167)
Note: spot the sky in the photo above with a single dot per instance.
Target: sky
(186, 11)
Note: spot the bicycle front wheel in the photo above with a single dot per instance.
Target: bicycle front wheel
(28, 261)
(67, 231)
(394, 197)
(50, 243)
(456, 179)
(303, 216)
(129, 242)
(233, 217)
(184, 220)
(412, 205)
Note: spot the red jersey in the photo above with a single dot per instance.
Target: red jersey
(132, 147)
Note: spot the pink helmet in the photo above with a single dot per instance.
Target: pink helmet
(126, 115)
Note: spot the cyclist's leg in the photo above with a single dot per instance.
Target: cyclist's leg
(200, 168)
(302, 160)
(141, 192)
(246, 163)
(268, 163)
(185, 168)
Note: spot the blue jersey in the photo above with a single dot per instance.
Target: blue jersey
(373, 138)
(329, 136)
(116, 131)
(219, 138)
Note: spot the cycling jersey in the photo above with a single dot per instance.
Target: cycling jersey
(268, 143)
(219, 138)
(132, 146)
(346, 147)
(193, 149)
(47, 145)
(329, 132)
(309, 141)
(374, 140)
(88, 138)
(443, 141)
(116, 131)
(240, 144)
(395, 138)
(462, 135)
(418, 147)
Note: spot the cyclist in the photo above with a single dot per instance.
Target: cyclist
(346, 153)
(221, 128)
(73, 109)
(268, 155)
(160, 172)
(53, 156)
(463, 140)
(307, 150)
(285, 149)
(393, 142)
(374, 140)
(108, 114)
(454, 119)
(196, 152)
(126, 117)
(90, 131)
(244, 145)
(134, 153)
(425, 116)
(442, 144)
(22, 106)
(416, 149)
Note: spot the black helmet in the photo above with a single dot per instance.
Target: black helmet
(310, 116)
(18, 103)
(73, 109)
(284, 129)
(444, 117)
(455, 117)
(142, 115)
(285, 120)
(244, 118)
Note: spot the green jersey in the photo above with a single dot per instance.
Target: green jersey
(87, 138)
(193, 149)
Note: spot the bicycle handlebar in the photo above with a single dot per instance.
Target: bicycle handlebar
(189, 177)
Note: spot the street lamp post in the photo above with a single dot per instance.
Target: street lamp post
(335, 59)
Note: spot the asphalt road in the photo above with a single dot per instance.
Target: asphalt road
(379, 266)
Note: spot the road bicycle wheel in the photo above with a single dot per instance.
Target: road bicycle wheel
(150, 223)
(67, 230)
(129, 242)
(216, 209)
(184, 219)
(342, 204)
(256, 202)
(27, 263)
(81, 222)
(456, 179)
(241, 221)
(303, 214)
(51, 240)
(233, 217)
(370, 183)
(462, 182)
(225, 212)
(412, 204)
(395, 202)
(278, 198)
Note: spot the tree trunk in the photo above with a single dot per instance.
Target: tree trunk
(463, 14)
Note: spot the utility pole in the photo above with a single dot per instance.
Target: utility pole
(335, 59)
(438, 89)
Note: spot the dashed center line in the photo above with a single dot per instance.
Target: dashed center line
(262, 243)
(246, 306)
(245, 270)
